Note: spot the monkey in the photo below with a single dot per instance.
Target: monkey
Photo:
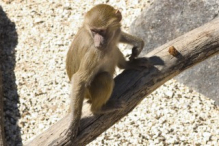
(92, 59)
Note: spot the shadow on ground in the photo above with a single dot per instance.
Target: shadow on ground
(8, 42)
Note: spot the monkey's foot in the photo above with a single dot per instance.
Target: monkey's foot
(111, 106)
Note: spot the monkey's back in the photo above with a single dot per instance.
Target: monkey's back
(77, 51)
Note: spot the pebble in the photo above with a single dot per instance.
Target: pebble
(171, 115)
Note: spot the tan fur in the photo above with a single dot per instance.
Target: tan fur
(91, 69)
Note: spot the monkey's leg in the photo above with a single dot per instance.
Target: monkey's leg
(100, 90)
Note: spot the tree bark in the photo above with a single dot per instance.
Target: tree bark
(2, 134)
(132, 86)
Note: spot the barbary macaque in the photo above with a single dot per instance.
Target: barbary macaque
(92, 59)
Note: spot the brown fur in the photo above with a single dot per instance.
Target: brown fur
(90, 66)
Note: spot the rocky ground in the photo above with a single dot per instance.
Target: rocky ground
(171, 115)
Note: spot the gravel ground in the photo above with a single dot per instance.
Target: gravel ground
(171, 115)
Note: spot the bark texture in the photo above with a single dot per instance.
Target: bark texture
(132, 86)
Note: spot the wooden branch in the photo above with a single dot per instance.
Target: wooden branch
(132, 86)
(2, 134)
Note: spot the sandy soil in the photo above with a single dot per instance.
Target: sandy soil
(171, 115)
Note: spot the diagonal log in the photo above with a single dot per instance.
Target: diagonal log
(132, 86)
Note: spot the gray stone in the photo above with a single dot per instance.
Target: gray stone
(165, 20)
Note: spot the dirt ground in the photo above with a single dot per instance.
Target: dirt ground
(34, 38)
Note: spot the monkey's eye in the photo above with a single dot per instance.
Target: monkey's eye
(99, 31)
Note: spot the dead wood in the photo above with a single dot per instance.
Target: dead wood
(132, 86)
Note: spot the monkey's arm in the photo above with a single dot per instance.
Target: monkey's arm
(137, 63)
(79, 81)
(76, 101)
(137, 43)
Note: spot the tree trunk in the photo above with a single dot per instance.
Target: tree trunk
(132, 86)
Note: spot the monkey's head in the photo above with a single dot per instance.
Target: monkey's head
(103, 22)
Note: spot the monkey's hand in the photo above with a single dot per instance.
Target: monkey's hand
(136, 50)
(70, 134)
(72, 130)
(134, 53)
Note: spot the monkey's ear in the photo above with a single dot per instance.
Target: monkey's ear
(118, 15)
